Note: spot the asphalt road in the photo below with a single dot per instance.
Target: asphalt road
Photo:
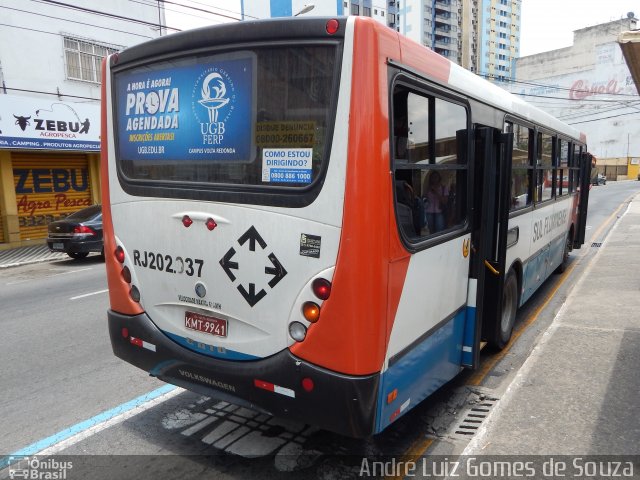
(57, 367)
(58, 370)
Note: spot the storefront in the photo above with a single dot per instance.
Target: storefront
(49, 164)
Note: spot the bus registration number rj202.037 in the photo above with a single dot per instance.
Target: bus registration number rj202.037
(206, 324)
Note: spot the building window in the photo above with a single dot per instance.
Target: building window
(84, 59)
(366, 11)
(355, 10)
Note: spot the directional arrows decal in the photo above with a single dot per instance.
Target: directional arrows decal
(251, 297)
(276, 270)
(227, 264)
(253, 236)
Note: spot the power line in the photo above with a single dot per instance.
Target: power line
(569, 99)
(603, 118)
(166, 9)
(198, 9)
(105, 14)
(555, 87)
(57, 94)
(73, 21)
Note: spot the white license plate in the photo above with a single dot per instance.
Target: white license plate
(58, 246)
(205, 324)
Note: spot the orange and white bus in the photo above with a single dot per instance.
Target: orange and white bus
(322, 220)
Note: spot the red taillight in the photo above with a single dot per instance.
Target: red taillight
(211, 224)
(125, 332)
(332, 26)
(307, 384)
(186, 221)
(321, 288)
(119, 253)
(83, 230)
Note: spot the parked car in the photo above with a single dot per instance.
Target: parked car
(78, 234)
(600, 179)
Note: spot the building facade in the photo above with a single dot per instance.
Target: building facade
(480, 35)
(382, 11)
(496, 27)
(588, 85)
(50, 74)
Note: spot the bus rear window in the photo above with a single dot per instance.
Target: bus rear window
(258, 117)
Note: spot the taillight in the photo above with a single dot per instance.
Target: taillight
(83, 230)
(297, 331)
(321, 288)
(311, 312)
(134, 293)
(211, 223)
(332, 26)
(126, 274)
(308, 384)
(119, 254)
(186, 221)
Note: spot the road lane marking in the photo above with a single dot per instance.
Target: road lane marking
(89, 294)
(78, 432)
(50, 276)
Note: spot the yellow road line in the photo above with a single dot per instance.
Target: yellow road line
(413, 455)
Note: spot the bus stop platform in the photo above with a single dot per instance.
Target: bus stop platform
(577, 393)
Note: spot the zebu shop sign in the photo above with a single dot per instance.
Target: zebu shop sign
(48, 124)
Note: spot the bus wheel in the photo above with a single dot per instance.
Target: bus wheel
(509, 308)
(565, 255)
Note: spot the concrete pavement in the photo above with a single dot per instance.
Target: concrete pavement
(577, 394)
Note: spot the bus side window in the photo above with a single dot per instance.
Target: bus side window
(431, 172)
(521, 165)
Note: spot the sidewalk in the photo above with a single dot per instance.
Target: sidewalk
(27, 255)
(578, 393)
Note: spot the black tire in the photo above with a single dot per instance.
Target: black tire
(78, 255)
(509, 308)
(565, 254)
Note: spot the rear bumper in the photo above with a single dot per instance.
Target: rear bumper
(73, 246)
(341, 403)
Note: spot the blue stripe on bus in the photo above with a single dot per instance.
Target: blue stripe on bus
(422, 371)
(56, 438)
(210, 350)
(469, 337)
(539, 267)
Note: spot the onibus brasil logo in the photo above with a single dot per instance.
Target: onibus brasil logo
(217, 99)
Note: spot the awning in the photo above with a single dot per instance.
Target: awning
(630, 45)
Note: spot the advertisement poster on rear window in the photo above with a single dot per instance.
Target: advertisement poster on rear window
(195, 112)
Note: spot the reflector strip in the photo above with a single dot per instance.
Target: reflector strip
(141, 343)
(402, 408)
(274, 388)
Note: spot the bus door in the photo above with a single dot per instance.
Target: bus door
(585, 184)
(490, 217)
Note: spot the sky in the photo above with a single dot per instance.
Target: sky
(546, 24)
(549, 24)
